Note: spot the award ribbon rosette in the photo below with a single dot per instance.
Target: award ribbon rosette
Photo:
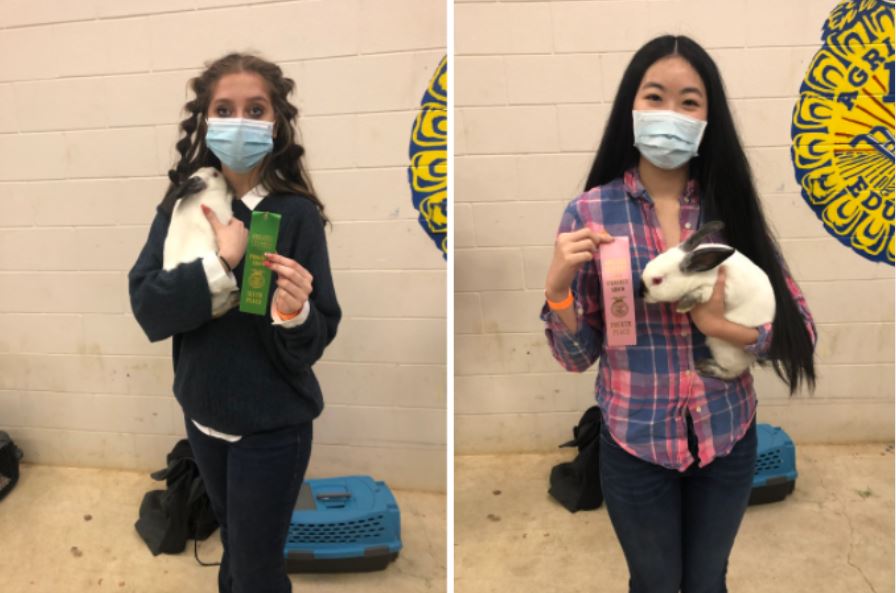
(618, 293)
(263, 231)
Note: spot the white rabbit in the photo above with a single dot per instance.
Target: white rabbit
(190, 235)
(687, 274)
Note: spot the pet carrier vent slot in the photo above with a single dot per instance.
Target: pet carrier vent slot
(333, 533)
(769, 461)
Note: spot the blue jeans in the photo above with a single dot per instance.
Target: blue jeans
(677, 529)
(253, 485)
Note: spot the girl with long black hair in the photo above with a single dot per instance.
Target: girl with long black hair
(677, 448)
(245, 382)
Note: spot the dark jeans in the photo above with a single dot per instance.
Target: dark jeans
(677, 529)
(253, 485)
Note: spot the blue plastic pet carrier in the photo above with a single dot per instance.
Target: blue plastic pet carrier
(775, 475)
(347, 524)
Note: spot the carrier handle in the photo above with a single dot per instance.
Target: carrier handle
(333, 496)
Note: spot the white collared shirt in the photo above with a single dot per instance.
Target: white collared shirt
(225, 295)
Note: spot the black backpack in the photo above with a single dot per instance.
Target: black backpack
(576, 484)
(9, 464)
(169, 517)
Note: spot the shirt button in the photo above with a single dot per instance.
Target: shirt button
(687, 225)
(699, 409)
(684, 334)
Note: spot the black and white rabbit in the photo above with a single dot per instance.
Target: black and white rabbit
(190, 236)
(687, 273)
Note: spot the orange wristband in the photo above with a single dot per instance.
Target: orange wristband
(286, 317)
(560, 306)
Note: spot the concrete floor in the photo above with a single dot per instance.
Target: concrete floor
(50, 546)
(834, 534)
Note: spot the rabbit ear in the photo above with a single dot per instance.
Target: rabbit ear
(705, 259)
(707, 229)
(191, 186)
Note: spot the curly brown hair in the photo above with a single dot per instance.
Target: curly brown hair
(282, 170)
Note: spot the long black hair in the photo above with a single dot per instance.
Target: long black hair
(726, 190)
(282, 171)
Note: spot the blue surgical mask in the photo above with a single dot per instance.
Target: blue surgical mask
(239, 143)
(666, 138)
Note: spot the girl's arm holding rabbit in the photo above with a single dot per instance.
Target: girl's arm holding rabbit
(709, 317)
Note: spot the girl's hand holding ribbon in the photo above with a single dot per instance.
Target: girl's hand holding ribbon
(294, 283)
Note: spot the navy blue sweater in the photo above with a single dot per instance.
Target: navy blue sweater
(240, 374)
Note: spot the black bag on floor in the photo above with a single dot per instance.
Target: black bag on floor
(169, 517)
(9, 464)
(576, 484)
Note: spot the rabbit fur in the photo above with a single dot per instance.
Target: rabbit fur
(190, 236)
(686, 274)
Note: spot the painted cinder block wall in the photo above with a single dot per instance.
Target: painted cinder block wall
(91, 94)
(535, 81)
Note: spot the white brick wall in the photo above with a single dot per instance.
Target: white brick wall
(534, 84)
(91, 95)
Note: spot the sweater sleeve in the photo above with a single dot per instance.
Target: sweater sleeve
(167, 302)
(299, 346)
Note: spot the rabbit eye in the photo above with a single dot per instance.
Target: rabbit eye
(656, 281)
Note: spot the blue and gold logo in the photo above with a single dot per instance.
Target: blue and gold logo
(428, 172)
(842, 133)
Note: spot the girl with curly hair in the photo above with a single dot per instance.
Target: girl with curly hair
(245, 382)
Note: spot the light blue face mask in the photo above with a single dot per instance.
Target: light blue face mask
(239, 143)
(666, 138)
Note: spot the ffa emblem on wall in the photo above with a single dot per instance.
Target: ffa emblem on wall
(428, 172)
(842, 133)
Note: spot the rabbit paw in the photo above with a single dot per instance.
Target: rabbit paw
(687, 302)
(711, 368)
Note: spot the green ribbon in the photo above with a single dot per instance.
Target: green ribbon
(263, 231)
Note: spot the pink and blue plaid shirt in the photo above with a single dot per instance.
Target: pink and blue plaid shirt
(646, 391)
